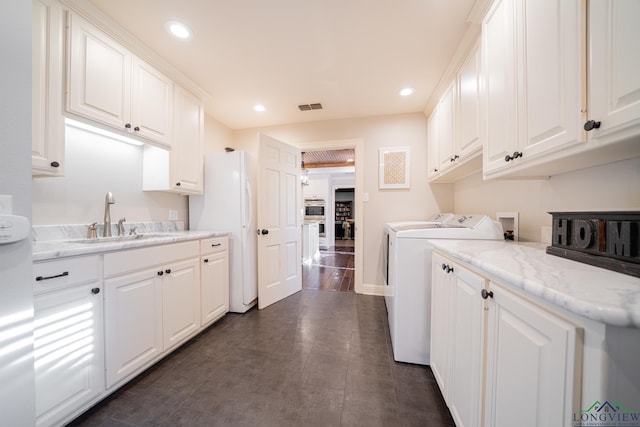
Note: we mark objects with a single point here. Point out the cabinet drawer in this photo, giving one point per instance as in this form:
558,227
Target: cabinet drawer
136,259
213,245
49,275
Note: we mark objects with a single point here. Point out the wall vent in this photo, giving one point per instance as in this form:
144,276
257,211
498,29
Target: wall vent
309,107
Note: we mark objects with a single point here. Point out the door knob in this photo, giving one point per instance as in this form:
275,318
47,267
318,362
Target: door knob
591,124
486,294
264,231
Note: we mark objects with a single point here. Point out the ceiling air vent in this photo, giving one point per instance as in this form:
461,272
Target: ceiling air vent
309,107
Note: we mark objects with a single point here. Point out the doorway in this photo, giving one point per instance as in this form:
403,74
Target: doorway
339,264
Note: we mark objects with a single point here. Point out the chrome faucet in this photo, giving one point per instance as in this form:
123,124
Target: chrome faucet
108,200
121,226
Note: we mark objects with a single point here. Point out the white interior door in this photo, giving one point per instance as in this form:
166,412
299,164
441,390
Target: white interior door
279,221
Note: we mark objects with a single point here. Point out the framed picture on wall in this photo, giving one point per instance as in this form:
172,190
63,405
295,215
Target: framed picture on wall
394,163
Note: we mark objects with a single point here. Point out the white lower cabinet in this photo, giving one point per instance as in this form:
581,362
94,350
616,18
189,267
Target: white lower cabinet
214,279
499,358
102,319
531,355
180,302
150,310
68,338
133,322
457,330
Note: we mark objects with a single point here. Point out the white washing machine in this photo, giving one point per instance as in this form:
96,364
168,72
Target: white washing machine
408,277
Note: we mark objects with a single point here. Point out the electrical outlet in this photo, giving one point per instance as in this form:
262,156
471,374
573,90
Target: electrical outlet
5,204
173,215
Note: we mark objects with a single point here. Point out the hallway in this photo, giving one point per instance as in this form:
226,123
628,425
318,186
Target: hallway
312,359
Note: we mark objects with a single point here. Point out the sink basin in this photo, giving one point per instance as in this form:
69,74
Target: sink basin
121,238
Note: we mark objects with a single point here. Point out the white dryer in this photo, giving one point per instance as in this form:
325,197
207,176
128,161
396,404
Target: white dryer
408,277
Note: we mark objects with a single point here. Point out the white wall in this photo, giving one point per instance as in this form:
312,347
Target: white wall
383,205
216,135
17,390
614,186
95,165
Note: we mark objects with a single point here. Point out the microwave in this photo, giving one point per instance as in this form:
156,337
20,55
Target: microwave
314,209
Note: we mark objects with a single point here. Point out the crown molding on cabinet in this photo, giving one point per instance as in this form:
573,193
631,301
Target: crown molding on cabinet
105,23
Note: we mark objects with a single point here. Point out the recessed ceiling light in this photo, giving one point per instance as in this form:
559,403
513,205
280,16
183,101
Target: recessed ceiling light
259,108
179,30
406,91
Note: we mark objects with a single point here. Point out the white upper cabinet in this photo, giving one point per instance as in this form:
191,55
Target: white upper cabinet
614,81
455,142
500,84
47,141
433,145
151,103
446,123
109,85
186,157
179,170
534,79
553,79
547,110
468,139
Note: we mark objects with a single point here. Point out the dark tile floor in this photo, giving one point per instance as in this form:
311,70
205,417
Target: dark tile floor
314,359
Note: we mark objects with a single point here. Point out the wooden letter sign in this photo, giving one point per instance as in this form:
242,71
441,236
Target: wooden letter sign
605,239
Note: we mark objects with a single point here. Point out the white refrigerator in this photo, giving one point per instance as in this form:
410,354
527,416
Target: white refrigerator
227,204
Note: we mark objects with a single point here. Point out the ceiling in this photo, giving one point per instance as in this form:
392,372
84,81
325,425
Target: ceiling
352,56
329,158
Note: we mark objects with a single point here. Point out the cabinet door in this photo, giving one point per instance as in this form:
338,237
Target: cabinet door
614,73
133,323
152,103
186,152
99,76
446,110
47,139
215,287
433,161
440,323
68,351
468,140
531,356
554,74
180,302
500,85
466,359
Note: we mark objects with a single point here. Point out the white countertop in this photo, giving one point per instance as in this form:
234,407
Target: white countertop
68,243
592,292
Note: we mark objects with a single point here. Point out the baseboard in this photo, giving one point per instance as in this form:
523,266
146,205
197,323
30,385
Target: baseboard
370,289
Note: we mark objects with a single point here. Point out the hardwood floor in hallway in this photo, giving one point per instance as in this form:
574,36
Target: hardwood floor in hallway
331,271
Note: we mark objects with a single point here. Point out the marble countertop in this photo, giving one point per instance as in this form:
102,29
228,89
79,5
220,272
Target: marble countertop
592,292
51,242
